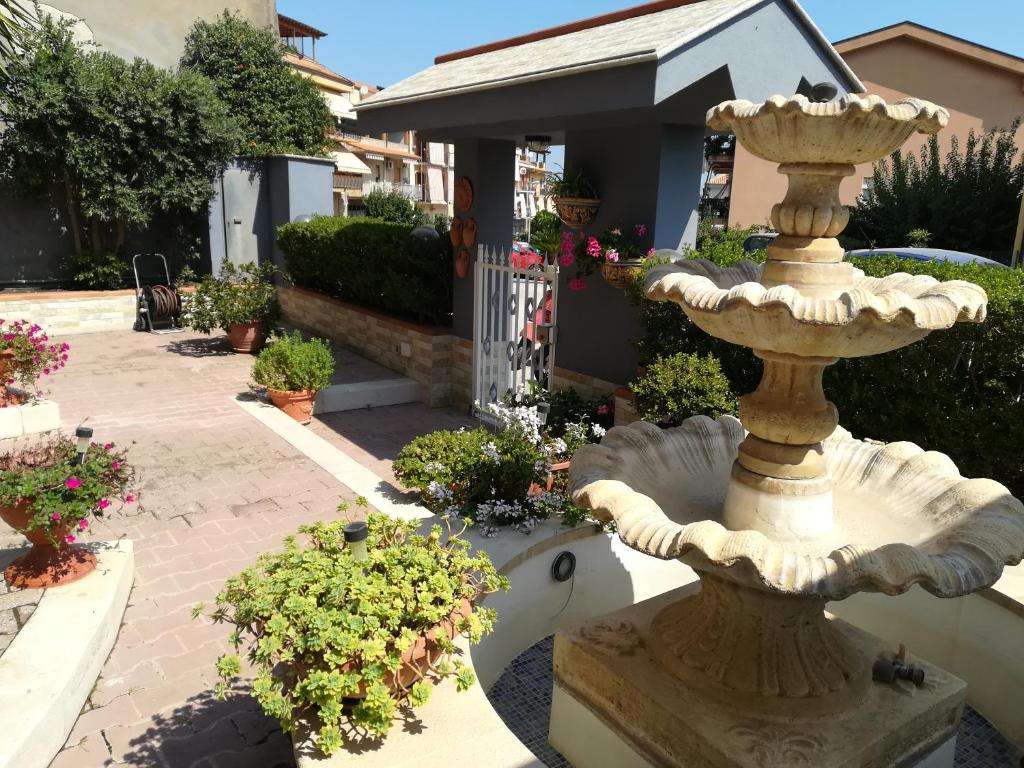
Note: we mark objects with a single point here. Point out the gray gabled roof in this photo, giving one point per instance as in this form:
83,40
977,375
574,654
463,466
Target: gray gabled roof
645,36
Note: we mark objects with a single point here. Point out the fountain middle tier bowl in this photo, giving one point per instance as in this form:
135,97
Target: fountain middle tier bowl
875,315
902,516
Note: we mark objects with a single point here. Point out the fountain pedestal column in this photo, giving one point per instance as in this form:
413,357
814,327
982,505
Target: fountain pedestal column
618,699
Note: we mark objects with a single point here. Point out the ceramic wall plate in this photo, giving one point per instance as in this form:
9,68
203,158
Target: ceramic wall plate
463,194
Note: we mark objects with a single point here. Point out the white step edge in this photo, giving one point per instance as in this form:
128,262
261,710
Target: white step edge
366,394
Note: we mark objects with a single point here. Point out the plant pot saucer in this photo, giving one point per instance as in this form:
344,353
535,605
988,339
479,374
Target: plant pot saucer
46,566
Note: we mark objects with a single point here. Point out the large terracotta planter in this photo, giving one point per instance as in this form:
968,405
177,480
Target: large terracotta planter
6,364
298,404
46,564
247,338
620,274
576,212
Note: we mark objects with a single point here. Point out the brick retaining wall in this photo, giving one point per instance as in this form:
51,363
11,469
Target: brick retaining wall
63,313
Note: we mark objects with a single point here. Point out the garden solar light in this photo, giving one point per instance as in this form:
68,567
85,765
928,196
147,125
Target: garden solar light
84,435
543,409
355,537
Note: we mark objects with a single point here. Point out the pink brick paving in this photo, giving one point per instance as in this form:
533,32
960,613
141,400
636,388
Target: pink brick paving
217,488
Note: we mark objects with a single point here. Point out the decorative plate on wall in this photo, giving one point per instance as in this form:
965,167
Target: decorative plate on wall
463,194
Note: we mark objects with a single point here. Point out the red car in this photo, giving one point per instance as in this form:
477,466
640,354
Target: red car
525,257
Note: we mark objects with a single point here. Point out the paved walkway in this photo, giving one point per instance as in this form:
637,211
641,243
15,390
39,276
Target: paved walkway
217,488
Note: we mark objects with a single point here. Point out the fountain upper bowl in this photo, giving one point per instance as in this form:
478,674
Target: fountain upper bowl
852,130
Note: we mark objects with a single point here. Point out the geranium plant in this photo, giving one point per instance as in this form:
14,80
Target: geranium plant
238,296
333,638
614,246
60,492
26,354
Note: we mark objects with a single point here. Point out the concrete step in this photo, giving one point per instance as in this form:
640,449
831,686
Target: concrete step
366,394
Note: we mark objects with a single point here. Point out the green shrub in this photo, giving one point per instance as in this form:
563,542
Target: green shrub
373,263
241,295
435,463
393,206
291,364
320,626
683,385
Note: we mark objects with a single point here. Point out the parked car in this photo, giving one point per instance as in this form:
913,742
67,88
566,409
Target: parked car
758,241
525,257
928,254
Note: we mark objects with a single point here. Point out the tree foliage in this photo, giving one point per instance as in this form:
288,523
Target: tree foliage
277,110
391,205
967,201
125,140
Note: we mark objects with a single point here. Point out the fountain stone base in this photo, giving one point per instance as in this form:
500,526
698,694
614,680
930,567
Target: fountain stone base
616,668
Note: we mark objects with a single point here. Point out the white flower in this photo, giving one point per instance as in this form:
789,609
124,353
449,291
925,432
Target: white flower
490,452
438,491
558,446
598,431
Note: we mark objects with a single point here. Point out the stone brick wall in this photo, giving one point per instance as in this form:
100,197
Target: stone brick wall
423,353
63,313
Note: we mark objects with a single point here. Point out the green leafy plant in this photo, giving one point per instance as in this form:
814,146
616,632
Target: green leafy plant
291,364
124,142
28,353
15,19
372,263
678,387
60,494
240,295
391,205
919,238
332,638
967,200
570,185
104,271
545,232
278,111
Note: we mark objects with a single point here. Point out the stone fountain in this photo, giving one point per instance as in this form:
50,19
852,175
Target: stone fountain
781,511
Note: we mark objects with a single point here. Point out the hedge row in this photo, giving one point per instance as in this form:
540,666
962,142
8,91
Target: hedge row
373,263
958,391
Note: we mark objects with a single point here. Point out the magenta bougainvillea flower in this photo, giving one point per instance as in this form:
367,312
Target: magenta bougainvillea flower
108,446
72,483
578,284
70,539
129,498
83,524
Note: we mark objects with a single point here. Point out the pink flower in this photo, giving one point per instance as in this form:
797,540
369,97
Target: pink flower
116,465
593,247
46,371
640,229
612,256
566,259
108,446
72,483
69,539
83,524
55,516
129,498
578,284
650,253
602,410
103,504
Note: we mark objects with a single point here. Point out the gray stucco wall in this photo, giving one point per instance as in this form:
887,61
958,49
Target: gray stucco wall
299,186
155,29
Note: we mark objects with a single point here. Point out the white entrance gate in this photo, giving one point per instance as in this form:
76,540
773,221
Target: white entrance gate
514,320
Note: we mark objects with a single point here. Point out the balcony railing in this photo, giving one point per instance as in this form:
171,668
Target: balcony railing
411,191
347,181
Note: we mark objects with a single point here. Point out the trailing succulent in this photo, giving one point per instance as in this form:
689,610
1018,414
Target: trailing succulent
326,632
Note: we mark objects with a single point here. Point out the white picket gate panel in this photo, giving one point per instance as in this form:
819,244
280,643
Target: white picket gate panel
514,320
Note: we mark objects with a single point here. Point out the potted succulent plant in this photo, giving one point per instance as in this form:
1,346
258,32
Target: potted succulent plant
293,371
49,490
362,619
26,353
575,198
242,301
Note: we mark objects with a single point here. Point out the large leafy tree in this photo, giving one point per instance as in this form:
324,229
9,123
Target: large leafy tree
278,110
967,201
124,140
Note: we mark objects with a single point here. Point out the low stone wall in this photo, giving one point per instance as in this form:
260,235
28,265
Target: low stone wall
423,353
62,313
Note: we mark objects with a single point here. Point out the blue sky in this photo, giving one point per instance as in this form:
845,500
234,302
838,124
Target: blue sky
382,42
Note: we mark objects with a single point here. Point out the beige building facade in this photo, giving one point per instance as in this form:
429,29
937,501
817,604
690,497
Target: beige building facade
982,89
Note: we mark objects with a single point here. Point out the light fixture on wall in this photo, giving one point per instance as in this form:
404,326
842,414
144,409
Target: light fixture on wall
539,144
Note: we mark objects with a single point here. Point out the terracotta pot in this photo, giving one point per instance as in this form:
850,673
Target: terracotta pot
621,274
455,233
297,404
463,194
46,564
576,212
247,338
6,364
462,264
469,233
562,466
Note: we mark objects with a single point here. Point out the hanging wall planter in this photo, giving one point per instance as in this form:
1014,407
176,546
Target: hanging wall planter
455,233
462,261
469,233
621,274
577,212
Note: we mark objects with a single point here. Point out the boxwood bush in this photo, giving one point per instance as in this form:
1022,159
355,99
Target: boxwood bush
958,391
373,263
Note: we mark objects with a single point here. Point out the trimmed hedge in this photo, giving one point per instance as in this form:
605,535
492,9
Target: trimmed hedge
958,391
373,263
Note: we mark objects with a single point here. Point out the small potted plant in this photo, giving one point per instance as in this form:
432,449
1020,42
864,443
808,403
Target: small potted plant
293,371
362,619
26,354
49,490
242,301
618,253
575,198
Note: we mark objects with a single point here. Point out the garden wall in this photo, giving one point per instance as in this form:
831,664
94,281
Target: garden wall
67,312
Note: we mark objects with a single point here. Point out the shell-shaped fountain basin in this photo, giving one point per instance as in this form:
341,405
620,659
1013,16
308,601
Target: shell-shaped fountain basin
902,516
852,130
876,315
